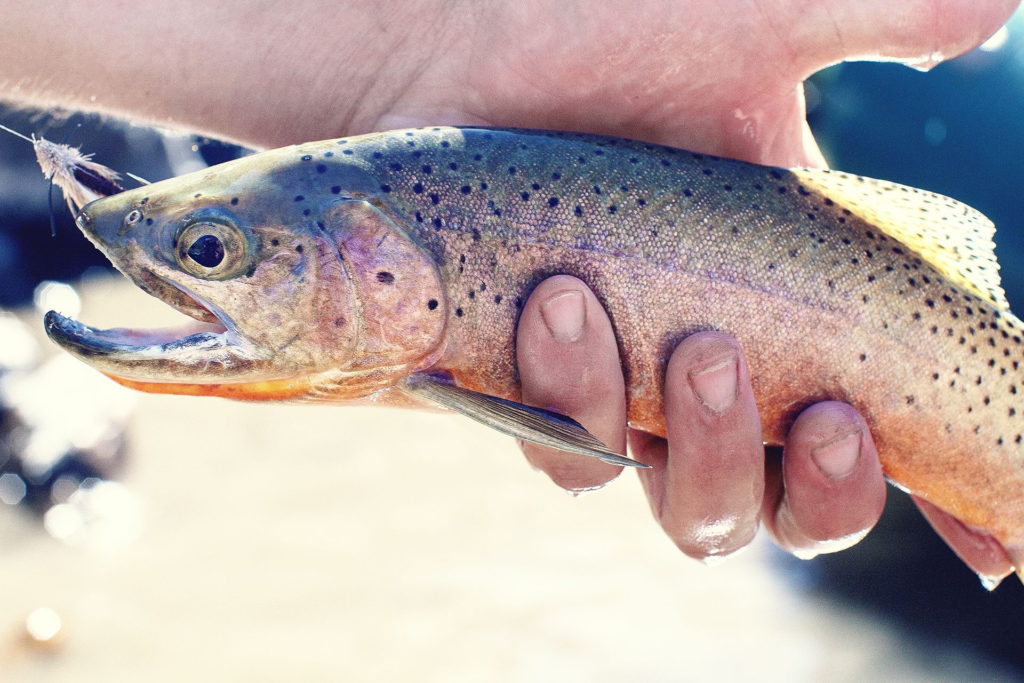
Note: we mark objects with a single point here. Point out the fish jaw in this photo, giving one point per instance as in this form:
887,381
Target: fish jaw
153,355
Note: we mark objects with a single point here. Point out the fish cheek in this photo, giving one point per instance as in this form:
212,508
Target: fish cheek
396,283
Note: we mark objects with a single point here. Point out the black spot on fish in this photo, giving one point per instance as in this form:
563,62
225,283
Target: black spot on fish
395,166
328,154
578,210
385,188
556,176
299,248
471,294
306,212
525,196
336,189
418,188
553,202
432,304
497,298
299,198
274,242
427,169
385,277
458,312
437,223
687,192
234,201
445,143
321,168
435,199
149,221
307,157
476,235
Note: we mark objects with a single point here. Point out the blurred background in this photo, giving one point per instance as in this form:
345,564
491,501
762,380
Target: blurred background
162,537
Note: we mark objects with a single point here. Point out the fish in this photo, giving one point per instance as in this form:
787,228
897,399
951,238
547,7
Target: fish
391,268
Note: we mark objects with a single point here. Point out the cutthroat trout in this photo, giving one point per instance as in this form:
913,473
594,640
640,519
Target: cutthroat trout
391,268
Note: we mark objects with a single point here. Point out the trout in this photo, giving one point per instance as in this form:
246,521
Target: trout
391,268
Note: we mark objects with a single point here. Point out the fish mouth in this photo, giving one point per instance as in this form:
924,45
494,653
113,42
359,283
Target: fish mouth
206,350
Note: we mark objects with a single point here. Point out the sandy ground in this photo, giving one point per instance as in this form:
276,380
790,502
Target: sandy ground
325,543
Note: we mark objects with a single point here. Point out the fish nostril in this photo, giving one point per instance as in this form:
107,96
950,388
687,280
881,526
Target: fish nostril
83,220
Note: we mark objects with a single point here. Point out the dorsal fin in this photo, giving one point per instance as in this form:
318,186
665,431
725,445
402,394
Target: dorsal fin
954,238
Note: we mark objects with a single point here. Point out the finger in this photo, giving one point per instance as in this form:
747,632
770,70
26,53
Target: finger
707,482
919,33
569,363
832,490
979,551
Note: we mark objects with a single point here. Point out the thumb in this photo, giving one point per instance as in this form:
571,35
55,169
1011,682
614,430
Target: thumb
921,33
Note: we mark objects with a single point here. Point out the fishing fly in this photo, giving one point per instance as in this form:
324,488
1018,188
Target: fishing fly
79,178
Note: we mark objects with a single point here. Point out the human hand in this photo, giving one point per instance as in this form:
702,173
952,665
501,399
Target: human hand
720,78
711,486
710,483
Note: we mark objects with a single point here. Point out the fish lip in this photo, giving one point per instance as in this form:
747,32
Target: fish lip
89,342
166,355
178,297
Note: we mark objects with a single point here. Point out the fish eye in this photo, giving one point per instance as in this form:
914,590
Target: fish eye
133,217
212,250
207,251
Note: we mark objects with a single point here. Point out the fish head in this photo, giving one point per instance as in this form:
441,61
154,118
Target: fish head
300,281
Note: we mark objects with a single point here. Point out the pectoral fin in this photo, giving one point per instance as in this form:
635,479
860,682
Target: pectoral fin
540,426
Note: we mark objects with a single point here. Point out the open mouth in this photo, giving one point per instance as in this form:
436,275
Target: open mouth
205,346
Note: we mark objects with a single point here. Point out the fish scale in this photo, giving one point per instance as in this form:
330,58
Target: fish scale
838,287
826,305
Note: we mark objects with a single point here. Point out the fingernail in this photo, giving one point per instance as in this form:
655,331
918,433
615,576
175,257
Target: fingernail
565,314
715,385
838,458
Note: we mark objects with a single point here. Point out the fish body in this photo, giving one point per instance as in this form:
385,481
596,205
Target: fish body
333,271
